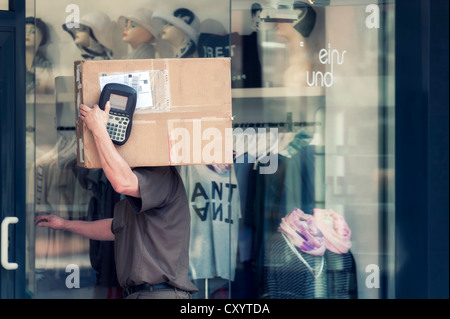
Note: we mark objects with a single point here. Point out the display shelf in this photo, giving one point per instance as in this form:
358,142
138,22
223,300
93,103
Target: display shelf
277,92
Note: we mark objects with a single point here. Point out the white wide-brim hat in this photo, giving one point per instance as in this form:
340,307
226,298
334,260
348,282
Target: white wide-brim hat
190,29
100,25
141,16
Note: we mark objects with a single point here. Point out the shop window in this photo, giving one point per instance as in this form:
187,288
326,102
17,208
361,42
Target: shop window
306,209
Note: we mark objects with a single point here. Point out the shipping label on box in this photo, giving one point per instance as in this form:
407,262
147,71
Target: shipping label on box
183,115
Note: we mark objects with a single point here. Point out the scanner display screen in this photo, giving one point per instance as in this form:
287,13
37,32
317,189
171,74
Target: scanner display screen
118,101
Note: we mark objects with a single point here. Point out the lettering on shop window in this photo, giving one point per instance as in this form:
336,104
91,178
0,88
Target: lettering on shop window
73,19
213,207
327,56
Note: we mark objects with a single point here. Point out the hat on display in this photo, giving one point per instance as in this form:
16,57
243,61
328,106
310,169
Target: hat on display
212,26
184,19
306,18
300,13
99,24
143,17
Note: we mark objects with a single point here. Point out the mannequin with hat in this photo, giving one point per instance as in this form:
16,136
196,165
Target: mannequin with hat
92,37
139,33
180,30
39,73
300,44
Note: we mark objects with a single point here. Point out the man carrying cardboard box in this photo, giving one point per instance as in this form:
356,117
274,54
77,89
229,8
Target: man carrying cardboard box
151,225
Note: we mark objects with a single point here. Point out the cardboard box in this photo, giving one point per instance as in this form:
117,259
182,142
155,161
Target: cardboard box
189,119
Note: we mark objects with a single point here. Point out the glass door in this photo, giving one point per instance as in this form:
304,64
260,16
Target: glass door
61,264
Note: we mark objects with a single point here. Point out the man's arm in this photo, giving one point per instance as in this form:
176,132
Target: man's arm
96,230
116,169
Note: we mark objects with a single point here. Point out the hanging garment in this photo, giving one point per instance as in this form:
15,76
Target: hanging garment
341,271
341,276
276,195
246,69
214,203
246,176
290,275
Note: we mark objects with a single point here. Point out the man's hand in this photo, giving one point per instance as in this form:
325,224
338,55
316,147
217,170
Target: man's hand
95,118
116,169
50,221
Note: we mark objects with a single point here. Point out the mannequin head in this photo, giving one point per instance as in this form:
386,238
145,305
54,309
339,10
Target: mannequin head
32,36
173,35
92,37
35,33
286,30
256,16
179,29
137,28
83,36
135,34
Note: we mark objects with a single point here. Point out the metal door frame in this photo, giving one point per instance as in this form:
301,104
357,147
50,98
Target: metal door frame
12,144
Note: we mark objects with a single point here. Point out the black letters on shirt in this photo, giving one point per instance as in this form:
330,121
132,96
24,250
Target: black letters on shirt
198,191
215,206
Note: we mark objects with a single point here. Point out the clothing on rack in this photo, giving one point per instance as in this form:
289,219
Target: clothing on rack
246,71
214,203
245,176
341,275
292,185
288,276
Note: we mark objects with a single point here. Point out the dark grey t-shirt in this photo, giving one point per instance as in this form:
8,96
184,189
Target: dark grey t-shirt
152,232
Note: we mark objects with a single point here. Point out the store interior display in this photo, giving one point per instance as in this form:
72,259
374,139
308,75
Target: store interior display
281,234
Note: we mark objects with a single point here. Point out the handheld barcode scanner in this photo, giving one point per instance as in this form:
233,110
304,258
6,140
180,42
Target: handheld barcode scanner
123,100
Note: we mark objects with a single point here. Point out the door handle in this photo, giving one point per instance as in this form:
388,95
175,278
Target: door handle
4,243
